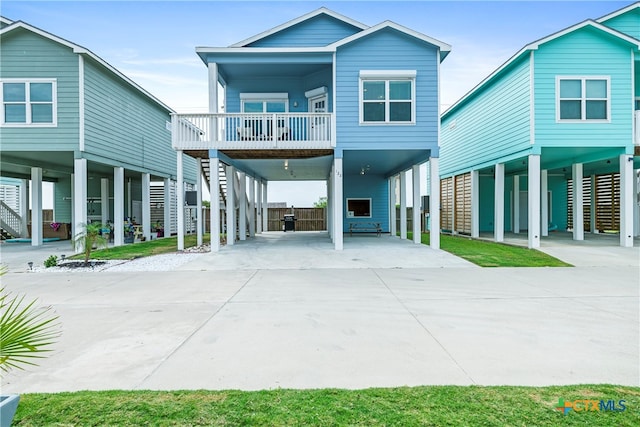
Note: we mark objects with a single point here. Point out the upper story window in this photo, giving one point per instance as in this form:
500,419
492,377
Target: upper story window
387,97
29,102
583,99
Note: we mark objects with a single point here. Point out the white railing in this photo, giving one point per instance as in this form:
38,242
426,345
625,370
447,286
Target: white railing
10,220
252,131
636,131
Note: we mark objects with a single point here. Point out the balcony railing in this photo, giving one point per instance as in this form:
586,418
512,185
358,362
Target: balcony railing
252,131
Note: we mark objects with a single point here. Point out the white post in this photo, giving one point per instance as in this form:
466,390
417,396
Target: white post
36,206
578,212
265,208
475,203
403,205
180,199
544,202
242,200
533,204
24,207
118,206
594,206
79,195
214,185
434,203
627,200
231,206
416,178
636,205
338,214
252,207
104,200
166,217
146,206
330,205
259,207
498,209
393,226
199,215
515,220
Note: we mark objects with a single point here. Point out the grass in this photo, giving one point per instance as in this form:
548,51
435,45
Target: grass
152,247
415,406
491,254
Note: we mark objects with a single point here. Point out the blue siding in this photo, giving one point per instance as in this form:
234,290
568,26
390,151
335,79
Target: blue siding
371,186
320,30
493,123
628,23
582,53
387,50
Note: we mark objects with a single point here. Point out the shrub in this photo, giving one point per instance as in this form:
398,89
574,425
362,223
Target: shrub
52,261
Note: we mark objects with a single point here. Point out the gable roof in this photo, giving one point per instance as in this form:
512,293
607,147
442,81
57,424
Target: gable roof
534,46
82,51
619,12
289,24
5,20
444,47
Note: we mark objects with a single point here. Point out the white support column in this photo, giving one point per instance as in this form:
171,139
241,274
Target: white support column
434,203
416,179
593,205
231,206
578,212
214,185
498,208
265,208
636,205
252,207
167,207
24,207
393,186
330,205
627,200
259,207
533,202
515,220
118,206
79,195
544,203
403,205
36,206
180,199
242,200
475,203
338,211
199,213
146,206
104,200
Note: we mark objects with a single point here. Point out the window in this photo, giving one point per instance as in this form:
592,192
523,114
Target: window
387,97
358,208
28,102
583,99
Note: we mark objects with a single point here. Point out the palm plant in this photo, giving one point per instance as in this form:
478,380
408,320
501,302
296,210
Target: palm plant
26,330
89,238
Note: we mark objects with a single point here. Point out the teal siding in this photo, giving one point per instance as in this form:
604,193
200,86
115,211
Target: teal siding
321,30
27,55
372,186
495,122
62,200
582,53
628,23
387,50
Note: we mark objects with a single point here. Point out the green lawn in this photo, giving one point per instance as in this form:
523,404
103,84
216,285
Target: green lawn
136,250
416,406
491,254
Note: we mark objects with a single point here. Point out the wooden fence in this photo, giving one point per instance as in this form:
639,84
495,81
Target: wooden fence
307,219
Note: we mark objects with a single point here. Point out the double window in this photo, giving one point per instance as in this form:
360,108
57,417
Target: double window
28,102
581,99
387,97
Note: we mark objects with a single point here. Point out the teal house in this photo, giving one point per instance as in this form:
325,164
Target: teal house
550,140
69,118
320,97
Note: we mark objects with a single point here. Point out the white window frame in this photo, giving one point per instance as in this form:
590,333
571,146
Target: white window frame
387,76
264,98
350,215
583,99
28,103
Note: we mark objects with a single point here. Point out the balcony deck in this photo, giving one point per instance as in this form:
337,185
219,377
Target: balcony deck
239,131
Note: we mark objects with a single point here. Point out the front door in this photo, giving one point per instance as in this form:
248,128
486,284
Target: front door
318,125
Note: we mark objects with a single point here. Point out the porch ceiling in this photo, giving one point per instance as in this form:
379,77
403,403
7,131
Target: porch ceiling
263,70
382,162
297,169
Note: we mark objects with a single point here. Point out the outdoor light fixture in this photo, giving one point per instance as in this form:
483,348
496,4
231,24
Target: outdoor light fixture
286,164
364,169
30,265
62,257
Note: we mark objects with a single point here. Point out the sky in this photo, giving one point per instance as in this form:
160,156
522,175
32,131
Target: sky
153,42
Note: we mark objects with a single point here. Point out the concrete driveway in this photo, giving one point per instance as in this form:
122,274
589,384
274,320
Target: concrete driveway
312,326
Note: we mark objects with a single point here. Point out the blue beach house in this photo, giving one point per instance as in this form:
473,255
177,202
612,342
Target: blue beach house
321,97
550,140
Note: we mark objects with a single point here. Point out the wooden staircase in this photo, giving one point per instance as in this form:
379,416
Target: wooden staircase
206,170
